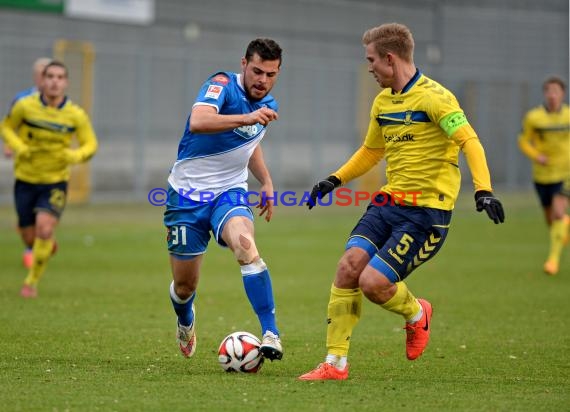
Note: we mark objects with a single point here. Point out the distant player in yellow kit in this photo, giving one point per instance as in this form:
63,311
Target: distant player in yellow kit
545,139
37,70
39,129
419,128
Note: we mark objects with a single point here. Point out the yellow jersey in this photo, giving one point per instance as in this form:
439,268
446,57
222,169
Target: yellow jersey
417,130
47,131
547,133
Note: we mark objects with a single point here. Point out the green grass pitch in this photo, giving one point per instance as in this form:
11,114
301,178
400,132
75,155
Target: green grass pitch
101,335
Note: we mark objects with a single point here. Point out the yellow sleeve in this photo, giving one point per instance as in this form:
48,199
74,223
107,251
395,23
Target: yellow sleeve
474,153
10,124
526,140
360,162
87,140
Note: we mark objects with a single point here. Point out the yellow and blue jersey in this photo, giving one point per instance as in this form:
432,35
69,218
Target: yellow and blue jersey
417,131
47,131
547,133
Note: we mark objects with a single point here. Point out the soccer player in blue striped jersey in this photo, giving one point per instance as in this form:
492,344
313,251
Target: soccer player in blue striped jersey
39,129
419,128
208,184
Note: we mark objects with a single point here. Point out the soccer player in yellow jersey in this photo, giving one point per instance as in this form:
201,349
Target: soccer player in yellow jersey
39,129
418,127
37,70
545,139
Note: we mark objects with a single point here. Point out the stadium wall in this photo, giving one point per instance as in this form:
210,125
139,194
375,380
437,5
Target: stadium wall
493,55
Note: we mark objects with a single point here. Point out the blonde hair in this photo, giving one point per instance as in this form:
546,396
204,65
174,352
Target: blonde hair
40,64
391,38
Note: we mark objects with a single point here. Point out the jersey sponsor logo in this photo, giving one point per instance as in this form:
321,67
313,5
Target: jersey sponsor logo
213,91
249,132
394,138
221,78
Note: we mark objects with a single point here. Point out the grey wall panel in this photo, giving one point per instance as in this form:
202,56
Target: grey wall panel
494,55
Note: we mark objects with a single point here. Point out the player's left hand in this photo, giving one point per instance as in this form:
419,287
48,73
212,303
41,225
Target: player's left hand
494,208
266,202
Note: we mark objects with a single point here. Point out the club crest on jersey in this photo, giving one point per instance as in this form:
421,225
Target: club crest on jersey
213,91
249,132
408,118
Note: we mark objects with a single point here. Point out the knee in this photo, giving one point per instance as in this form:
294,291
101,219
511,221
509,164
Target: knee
44,232
244,249
376,287
183,289
557,214
349,269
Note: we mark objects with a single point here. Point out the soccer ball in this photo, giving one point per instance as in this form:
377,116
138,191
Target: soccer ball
239,352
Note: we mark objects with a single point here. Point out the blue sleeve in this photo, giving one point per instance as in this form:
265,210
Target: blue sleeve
215,91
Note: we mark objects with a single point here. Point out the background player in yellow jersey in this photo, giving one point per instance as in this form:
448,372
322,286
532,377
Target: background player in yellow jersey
418,127
37,72
39,129
545,139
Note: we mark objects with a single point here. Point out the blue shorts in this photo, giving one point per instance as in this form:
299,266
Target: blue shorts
547,191
189,223
398,238
31,198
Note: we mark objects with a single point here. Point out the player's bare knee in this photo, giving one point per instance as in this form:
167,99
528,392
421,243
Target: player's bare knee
348,270
44,232
376,287
368,286
183,290
245,250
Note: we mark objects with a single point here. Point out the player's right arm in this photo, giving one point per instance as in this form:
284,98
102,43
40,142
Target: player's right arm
216,93
526,142
206,119
10,125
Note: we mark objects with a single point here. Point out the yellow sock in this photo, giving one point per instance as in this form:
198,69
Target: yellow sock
403,303
42,252
557,234
343,314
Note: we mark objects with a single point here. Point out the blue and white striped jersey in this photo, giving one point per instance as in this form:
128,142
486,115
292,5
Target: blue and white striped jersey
217,162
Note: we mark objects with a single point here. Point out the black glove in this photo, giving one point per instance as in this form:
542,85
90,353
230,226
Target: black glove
494,208
321,189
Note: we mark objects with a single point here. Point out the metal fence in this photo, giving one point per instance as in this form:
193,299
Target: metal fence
492,56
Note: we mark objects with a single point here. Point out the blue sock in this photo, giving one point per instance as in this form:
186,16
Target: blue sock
257,283
182,307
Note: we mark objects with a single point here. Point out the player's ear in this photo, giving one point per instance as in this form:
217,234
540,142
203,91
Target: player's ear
243,63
